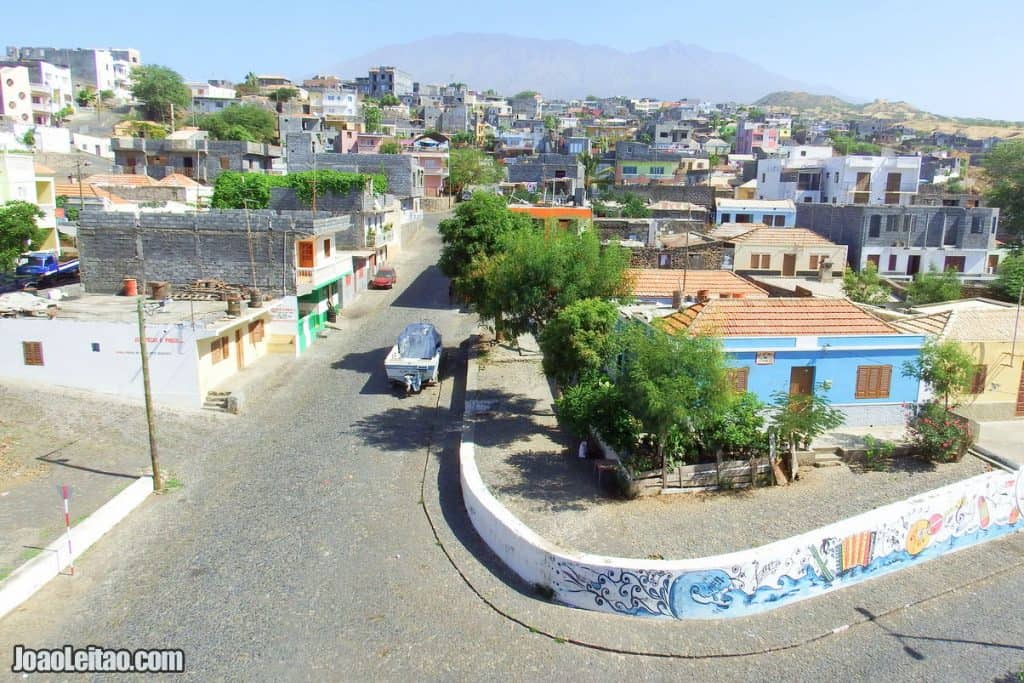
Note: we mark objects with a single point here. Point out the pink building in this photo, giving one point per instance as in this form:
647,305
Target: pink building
751,134
431,153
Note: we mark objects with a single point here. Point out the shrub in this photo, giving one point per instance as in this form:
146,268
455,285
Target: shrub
938,435
876,452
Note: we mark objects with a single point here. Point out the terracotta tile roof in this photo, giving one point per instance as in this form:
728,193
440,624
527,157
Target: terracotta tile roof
796,237
775,318
44,170
661,282
92,192
121,179
931,324
177,180
727,231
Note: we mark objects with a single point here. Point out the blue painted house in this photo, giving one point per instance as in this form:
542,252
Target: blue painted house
796,345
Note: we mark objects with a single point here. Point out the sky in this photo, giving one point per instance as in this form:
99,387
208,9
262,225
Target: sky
951,58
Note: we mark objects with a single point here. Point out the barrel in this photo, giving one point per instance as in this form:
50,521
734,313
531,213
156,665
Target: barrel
131,286
234,306
159,290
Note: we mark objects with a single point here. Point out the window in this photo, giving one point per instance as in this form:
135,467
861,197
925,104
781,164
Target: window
738,378
225,163
875,226
763,178
814,261
837,176
220,349
629,170
32,352
908,222
892,263
327,247
95,347
726,217
979,379
657,170
976,228
744,218
780,221
761,261
256,331
873,381
808,181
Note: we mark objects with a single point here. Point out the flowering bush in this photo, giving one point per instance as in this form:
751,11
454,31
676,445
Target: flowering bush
938,435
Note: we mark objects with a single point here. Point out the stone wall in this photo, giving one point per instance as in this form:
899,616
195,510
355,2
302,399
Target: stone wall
181,248
702,257
405,177
285,199
695,194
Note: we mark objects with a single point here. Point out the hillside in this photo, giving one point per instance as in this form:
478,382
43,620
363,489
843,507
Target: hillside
566,69
790,99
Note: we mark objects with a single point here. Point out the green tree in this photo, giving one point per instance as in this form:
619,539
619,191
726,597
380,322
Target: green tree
634,207
389,100
477,228
29,138
551,123
593,175
739,429
469,166
536,274
372,117
18,231
284,94
672,383
933,287
578,341
235,190
866,287
241,122
944,366
1004,168
160,89
799,418
390,147
525,95
105,96
85,97
1010,277
462,139
63,114
250,85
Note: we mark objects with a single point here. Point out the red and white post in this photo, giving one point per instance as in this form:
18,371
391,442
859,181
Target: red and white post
67,524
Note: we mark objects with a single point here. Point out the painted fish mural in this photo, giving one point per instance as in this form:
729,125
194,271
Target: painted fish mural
890,538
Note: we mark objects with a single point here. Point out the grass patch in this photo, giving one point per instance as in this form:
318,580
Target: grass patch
171,483
4,573
28,553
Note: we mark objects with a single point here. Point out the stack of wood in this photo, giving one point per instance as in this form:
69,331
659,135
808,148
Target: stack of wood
208,289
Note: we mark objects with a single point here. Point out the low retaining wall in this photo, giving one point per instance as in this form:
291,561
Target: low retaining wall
34,574
750,581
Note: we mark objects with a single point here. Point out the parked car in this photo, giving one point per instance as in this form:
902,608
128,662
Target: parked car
384,279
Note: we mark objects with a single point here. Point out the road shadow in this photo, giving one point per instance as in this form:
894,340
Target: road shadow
66,462
429,290
371,364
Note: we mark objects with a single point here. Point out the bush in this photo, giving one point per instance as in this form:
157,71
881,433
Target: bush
938,435
876,452
598,404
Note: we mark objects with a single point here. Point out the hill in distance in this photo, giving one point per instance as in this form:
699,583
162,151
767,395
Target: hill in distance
566,69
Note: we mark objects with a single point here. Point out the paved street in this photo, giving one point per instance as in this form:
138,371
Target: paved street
298,548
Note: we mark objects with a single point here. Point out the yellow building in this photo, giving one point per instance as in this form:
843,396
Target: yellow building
987,334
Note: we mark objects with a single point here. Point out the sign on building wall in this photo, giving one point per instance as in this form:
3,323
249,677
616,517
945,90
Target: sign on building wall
765,358
285,310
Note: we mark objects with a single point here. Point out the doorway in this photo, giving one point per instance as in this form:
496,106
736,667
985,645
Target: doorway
913,264
801,381
788,265
239,350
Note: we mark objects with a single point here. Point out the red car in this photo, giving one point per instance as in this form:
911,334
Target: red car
384,279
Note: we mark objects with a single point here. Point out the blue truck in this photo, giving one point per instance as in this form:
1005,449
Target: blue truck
46,265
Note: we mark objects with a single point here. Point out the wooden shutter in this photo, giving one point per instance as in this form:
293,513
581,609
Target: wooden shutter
814,262
980,379
216,355
32,352
738,378
225,347
755,261
766,261
873,381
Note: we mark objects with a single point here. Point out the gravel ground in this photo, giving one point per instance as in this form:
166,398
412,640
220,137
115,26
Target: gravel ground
539,478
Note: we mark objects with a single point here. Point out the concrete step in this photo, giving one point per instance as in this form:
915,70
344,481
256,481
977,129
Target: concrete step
217,401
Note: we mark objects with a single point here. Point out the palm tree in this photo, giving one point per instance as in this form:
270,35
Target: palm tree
592,175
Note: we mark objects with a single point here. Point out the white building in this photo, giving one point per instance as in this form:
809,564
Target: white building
91,69
780,213
334,102
15,94
811,177
200,89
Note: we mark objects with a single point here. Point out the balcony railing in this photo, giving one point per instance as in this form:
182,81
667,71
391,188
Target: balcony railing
308,279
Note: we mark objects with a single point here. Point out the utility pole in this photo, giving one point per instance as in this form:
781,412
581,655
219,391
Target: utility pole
153,457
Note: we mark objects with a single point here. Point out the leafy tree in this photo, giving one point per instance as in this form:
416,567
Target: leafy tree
18,231
713,160
535,274
578,340
1010,277
249,85
235,190
389,100
672,383
598,403
739,429
634,207
63,114
477,228
160,89
1004,168
847,145
462,139
241,122
525,95
551,123
105,96
592,174
85,97
470,167
390,147
933,286
944,366
372,117
283,94
866,287
799,418
29,138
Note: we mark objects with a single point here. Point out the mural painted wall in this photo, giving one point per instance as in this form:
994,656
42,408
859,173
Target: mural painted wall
747,582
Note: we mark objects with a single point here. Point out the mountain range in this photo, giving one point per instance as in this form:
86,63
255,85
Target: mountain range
566,69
